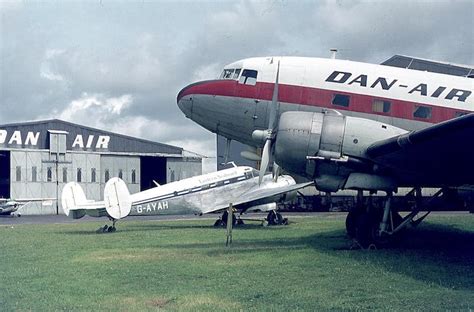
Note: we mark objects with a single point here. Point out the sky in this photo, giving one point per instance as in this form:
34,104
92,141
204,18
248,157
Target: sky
118,65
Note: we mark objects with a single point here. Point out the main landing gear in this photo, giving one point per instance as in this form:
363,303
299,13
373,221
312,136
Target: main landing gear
375,228
222,221
108,228
275,218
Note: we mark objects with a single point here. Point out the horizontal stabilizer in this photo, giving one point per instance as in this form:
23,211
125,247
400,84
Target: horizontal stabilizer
117,199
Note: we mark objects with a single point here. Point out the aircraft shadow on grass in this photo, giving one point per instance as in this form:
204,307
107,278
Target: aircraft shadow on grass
422,254
157,226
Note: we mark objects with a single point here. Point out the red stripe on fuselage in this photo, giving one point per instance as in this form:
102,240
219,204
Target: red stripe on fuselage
316,97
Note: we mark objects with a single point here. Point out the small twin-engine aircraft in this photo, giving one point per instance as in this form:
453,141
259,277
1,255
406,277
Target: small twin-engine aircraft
10,207
347,125
198,195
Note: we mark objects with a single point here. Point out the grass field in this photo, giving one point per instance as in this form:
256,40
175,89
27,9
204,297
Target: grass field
185,265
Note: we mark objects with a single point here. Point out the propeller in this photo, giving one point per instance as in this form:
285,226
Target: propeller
269,134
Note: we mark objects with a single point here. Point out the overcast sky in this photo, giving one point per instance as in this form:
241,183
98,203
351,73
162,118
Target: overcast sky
118,65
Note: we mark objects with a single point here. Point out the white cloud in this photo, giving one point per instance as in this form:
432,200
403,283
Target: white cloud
46,70
93,108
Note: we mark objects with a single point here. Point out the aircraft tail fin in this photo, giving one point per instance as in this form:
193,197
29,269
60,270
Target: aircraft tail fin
72,198
117,199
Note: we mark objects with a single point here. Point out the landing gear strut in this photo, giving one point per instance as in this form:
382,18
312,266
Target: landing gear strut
378,227
108,228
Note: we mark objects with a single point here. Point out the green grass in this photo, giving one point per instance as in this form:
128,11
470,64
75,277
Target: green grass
185,265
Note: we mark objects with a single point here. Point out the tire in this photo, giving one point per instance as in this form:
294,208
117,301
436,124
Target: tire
224,219
351,223
274,218
364,230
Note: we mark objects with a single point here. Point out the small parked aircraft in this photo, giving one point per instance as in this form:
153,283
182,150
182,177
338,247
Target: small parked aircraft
10,207
198,195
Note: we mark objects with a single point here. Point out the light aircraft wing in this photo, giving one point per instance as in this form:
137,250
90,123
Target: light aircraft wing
255,194
442,154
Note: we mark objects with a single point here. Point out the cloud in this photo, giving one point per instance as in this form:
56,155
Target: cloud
119,65
102,112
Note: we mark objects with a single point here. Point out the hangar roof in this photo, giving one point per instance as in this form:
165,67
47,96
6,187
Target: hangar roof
409,62
35,134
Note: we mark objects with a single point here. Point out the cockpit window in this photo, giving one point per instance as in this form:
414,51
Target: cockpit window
227,74
236,73
230,73
255,173
249,77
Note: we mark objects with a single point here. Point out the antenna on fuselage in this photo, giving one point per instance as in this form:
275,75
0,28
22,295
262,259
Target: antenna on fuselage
333,53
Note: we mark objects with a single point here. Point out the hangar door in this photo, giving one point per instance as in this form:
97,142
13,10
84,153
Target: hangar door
4,174
152,168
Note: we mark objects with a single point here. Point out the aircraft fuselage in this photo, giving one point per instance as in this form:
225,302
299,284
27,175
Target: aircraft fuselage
238,103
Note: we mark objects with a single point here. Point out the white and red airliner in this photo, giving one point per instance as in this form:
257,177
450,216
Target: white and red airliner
346,125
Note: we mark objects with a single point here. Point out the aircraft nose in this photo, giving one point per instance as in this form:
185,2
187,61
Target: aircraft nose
185,103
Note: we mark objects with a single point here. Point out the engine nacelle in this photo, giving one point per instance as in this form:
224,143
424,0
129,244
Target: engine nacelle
302,134
304,137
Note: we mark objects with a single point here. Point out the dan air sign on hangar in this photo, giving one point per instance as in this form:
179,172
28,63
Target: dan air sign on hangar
33,139
73,137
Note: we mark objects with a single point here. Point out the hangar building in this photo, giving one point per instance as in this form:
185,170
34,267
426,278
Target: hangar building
38,158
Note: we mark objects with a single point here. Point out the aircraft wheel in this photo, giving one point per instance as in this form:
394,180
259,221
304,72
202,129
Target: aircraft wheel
274,218
105,228
365,229
224,219
218,223
111,229
240,221
351,223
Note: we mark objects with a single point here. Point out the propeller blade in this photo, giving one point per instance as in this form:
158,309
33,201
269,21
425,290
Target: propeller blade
265,161
274,106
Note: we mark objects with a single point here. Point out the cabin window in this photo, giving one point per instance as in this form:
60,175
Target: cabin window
107,175
422,112
93,175
381,106
79,175
49,174
249,77
64,175
18,173
134,176
341,100
34,174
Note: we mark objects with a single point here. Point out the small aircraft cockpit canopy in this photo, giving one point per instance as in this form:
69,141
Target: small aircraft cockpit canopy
249,77
230,74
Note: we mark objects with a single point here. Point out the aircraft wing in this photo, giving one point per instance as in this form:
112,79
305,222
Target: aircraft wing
255,194
442,154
